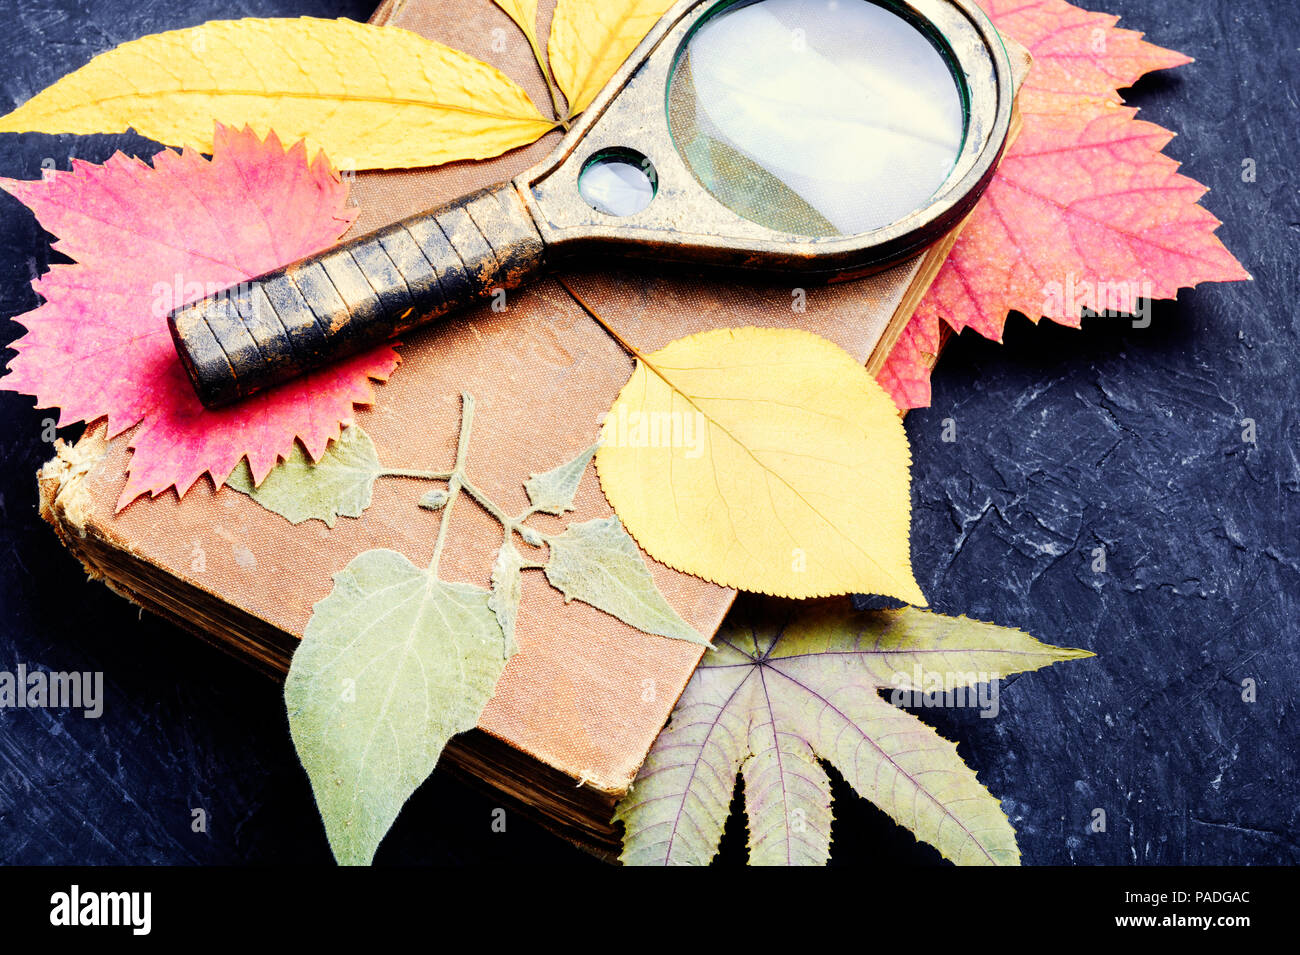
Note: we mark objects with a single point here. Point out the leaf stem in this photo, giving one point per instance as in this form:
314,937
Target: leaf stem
457,481
550,85
510,524
487,504
626,345
531,36
420,475
456,478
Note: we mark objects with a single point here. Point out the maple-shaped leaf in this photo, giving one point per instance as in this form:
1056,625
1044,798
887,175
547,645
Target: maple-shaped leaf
792,684
1084,212
146,240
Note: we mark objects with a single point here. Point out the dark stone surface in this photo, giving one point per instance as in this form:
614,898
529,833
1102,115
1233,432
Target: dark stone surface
1066,441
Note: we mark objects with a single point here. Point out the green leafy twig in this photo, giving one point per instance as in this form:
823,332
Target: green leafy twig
595,562
395,660
457,479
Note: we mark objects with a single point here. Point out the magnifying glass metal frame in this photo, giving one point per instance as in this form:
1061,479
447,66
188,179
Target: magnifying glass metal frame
378,285
685,223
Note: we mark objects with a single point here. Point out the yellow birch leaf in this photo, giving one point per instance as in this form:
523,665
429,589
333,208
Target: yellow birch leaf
370,96
590,39
763,459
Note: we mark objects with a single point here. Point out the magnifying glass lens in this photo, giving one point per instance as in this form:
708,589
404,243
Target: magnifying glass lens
817,117
618,182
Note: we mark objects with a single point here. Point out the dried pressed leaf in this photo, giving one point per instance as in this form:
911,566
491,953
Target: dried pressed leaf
338,485
373,97
393,663
598,563
553,492
763,459
507,590
793,684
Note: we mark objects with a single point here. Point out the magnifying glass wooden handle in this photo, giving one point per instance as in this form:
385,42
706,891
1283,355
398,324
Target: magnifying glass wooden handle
263,332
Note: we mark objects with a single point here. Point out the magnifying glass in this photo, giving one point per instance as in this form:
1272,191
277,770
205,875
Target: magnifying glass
819,138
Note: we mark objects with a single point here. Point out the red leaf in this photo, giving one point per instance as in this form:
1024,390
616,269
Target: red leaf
1076,52
147,239
906,372
1085,210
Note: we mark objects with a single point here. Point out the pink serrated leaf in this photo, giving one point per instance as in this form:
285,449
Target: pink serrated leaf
147,239
906,372
1084,211
1076,52
1083,197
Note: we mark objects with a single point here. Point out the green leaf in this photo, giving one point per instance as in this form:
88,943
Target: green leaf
792,684
598,563
553,492
507,590
338,485
393,663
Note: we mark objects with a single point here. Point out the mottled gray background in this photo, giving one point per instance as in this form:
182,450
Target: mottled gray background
1066,441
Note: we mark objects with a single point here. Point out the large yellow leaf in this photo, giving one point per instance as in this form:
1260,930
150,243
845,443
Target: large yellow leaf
763,459
590,39
371,96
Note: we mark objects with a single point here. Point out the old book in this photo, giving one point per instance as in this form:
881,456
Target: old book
583,699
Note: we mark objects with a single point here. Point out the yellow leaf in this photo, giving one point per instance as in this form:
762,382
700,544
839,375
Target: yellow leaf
763,459
590,39
370,96
524,13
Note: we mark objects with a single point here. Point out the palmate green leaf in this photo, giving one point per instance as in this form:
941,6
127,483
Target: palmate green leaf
340,484
553,492
598,563
393,663
793,684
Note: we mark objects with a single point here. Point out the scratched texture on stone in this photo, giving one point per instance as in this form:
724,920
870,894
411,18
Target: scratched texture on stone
1127,439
